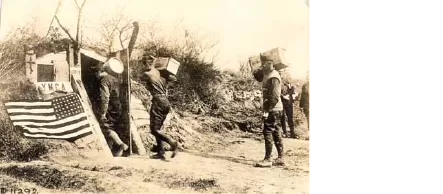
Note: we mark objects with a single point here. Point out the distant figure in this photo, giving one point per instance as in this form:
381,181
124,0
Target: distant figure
155,83
288,97
304,100
110,107
272,112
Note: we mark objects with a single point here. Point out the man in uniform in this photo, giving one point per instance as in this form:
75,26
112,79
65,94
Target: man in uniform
288,96
272,112
110,106
155,83
304,100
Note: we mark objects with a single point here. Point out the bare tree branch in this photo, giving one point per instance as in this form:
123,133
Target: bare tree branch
83,4
79,8
121,31
79,16
76,3
55,14
64,29
116,27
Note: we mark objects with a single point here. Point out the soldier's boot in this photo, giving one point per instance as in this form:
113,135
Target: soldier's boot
266,162
163,137
174,148
123,147
292,132
278,141
116,139
286,135
285,132
283,125
159,148
159,156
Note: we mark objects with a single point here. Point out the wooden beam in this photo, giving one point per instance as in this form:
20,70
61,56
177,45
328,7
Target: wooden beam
78,87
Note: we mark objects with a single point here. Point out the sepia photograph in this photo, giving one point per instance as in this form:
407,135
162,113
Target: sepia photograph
142,96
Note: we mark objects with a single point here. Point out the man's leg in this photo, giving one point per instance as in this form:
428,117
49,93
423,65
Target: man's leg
278,141
290,114
122,146
162,137
308,117
283,121
158,116
268,128
284,115
160,149
112,138
153,125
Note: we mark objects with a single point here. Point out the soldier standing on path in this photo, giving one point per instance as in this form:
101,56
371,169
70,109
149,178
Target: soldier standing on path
272,112
110,106
155,83
288,97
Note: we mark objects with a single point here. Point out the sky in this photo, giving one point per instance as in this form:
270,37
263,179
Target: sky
242,27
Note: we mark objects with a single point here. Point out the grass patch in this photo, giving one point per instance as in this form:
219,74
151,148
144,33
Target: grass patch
45,176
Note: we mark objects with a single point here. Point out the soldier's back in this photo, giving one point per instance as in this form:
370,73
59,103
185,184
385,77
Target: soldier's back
156,84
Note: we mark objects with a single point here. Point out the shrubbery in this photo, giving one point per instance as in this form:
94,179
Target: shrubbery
195,78
12,144
15,86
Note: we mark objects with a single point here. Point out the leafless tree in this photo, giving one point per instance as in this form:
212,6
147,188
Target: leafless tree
117,28
77,40
12,50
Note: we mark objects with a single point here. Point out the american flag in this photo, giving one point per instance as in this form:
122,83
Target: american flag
59,118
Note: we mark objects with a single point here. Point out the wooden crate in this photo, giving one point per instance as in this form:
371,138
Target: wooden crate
169,64
278,56
254,63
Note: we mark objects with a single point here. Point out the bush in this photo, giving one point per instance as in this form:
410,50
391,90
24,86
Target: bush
14,147
12,144
12,48
195,77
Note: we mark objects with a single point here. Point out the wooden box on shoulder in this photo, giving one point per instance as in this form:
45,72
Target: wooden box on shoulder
278,55
169,64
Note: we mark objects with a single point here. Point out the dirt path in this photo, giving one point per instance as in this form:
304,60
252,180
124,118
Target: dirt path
227,170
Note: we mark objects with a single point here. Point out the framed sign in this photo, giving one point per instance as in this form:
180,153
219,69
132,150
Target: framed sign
55,86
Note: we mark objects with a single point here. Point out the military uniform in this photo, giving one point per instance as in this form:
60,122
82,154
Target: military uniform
272,130
304,100
288,99
110,110
160,107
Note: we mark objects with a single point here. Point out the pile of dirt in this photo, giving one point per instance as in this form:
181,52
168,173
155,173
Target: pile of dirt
191,129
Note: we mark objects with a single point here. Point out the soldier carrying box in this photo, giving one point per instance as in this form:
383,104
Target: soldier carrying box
155,83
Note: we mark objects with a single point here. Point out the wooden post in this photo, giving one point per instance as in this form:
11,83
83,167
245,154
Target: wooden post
70,58
129,101
30,65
